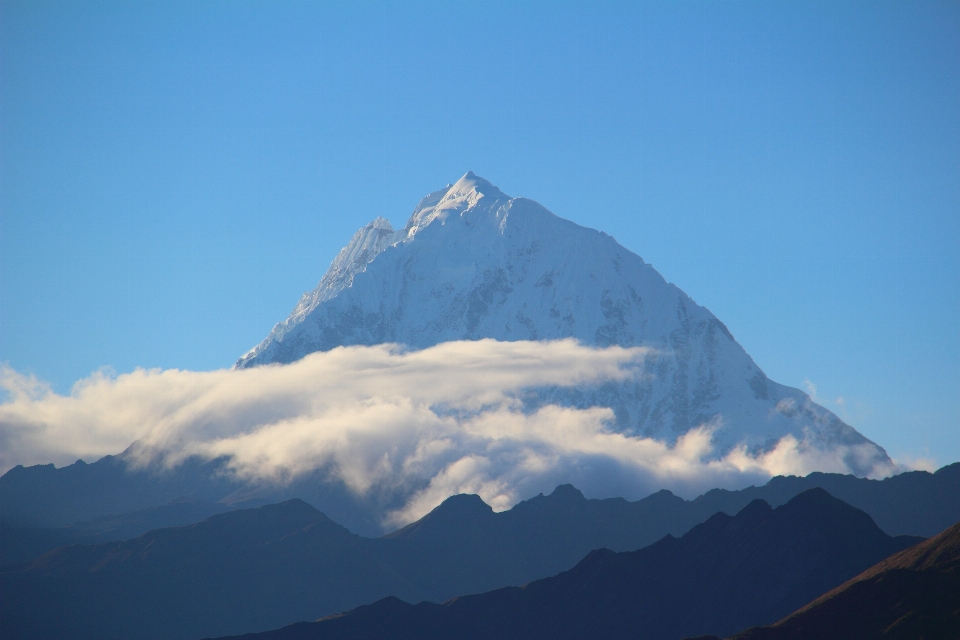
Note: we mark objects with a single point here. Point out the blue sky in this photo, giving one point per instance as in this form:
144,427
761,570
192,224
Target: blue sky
174,175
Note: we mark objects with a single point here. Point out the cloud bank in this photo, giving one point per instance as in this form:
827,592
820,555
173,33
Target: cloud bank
448,419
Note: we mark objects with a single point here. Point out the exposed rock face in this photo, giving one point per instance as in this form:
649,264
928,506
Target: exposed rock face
475,263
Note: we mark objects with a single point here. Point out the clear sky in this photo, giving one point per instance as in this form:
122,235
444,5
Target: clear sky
173,175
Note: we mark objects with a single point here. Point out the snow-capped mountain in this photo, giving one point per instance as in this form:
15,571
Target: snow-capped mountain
474,263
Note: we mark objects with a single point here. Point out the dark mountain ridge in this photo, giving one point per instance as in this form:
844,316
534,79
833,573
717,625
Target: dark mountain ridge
43,496
721,576
34,498
915,503
22,543
46,496
257,569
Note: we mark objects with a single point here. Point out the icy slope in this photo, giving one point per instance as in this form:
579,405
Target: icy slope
475,263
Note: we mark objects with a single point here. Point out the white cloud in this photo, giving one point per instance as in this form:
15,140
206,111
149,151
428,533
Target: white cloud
909,462
445,419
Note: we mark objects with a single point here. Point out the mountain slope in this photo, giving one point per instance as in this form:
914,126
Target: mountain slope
22,543
913,594
239,571
723,575
475,263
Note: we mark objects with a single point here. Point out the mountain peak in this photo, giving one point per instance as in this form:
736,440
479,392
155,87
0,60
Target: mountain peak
474,263
462,504
456,200
471,182
463,509
567,492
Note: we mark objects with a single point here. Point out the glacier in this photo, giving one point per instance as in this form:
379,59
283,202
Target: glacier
474,263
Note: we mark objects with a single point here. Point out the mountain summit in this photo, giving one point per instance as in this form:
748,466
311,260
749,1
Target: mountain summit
474,263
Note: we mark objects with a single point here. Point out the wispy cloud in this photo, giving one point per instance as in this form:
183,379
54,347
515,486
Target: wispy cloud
443,420
908,462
